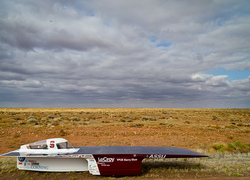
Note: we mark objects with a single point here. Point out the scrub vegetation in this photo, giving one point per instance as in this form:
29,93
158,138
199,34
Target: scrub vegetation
223,134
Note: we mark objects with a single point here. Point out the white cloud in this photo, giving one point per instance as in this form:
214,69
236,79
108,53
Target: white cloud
218,81
29,83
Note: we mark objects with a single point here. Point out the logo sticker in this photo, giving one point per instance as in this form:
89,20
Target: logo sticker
21,159
105,159
39,167
158,156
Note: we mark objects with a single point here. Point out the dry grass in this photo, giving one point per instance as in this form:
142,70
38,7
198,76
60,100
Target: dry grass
211,131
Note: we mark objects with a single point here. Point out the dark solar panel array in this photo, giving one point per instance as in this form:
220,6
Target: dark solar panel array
125,150
136,150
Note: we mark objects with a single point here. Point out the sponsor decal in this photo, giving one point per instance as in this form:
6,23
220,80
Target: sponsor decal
35,164
103,164
127,160
106,159
95,172
58,156
39,167
31,161
21,159
77,156
88,156
27,162
20,163
157,156
52,144
92,166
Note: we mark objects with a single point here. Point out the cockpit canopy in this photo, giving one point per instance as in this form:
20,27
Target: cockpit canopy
56,143
38,145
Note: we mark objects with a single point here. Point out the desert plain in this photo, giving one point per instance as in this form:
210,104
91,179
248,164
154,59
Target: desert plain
222,134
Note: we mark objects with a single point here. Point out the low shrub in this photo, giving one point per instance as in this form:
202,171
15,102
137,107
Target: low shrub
232,147
75,119
241,147
105,121
50,117
32,119
137,125
148,118
62,133
219,147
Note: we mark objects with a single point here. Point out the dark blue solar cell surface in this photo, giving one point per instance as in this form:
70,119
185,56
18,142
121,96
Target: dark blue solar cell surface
125,150
136,150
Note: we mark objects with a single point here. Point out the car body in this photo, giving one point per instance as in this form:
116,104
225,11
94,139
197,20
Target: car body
58,155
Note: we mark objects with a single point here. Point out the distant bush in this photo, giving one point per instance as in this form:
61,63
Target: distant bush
75,119
232,147
219,147
126,117
215,118
17,135
50,117
170,125
239,144
241,147
105,121
32,119
55,123
62,133
240,124
64,118
148,118
137,125
91,118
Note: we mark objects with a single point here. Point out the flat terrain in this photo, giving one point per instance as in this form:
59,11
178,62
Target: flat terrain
223,134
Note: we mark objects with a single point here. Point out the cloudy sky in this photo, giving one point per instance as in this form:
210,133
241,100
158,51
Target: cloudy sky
125,53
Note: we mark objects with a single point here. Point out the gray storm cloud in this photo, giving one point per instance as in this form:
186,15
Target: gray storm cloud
123,53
